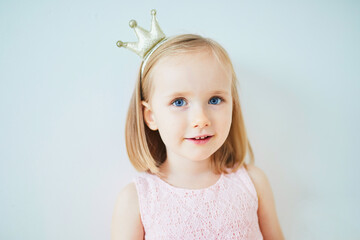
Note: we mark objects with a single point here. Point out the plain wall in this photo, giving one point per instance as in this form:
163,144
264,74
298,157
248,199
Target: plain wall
65,89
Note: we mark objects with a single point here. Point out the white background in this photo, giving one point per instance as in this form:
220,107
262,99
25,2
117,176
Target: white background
65,89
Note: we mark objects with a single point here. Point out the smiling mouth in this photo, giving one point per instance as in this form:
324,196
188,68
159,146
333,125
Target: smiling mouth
200,140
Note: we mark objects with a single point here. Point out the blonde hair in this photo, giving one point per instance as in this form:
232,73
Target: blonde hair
144,146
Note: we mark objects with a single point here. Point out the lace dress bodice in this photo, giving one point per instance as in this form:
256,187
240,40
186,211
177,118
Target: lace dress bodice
225,210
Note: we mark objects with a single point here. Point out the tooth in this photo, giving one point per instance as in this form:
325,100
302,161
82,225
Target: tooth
198,138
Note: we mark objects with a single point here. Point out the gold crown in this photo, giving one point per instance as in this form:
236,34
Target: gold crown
146,40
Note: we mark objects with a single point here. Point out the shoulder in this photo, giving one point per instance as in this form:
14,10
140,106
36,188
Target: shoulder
254,171
258,178
128,194
268,219
126,221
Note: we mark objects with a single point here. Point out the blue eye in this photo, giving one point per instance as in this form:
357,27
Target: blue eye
215,100
179,102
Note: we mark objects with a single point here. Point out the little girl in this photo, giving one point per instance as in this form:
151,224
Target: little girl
185,134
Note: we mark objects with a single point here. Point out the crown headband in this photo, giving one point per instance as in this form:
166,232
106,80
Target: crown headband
148,42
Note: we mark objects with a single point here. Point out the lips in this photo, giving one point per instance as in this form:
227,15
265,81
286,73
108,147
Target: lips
201,139
201,136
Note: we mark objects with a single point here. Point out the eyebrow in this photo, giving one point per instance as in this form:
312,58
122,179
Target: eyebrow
175,94
220,92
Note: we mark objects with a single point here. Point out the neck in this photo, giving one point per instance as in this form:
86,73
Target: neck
175,167
189,174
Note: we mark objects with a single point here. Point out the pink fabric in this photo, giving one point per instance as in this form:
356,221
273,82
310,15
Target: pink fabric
225,210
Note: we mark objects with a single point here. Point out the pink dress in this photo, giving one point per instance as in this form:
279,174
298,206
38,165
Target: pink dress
225,210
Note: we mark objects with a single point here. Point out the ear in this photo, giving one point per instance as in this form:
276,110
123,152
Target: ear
149,116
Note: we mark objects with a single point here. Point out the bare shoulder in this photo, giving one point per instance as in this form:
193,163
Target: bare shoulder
255,173
258,177
126,221
268,219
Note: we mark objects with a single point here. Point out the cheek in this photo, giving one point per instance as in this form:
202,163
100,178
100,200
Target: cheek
225,119
170,125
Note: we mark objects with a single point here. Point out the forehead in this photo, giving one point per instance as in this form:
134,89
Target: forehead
195,72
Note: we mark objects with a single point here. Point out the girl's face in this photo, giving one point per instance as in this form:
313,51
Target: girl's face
190,98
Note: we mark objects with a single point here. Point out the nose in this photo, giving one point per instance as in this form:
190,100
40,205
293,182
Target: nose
200,118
